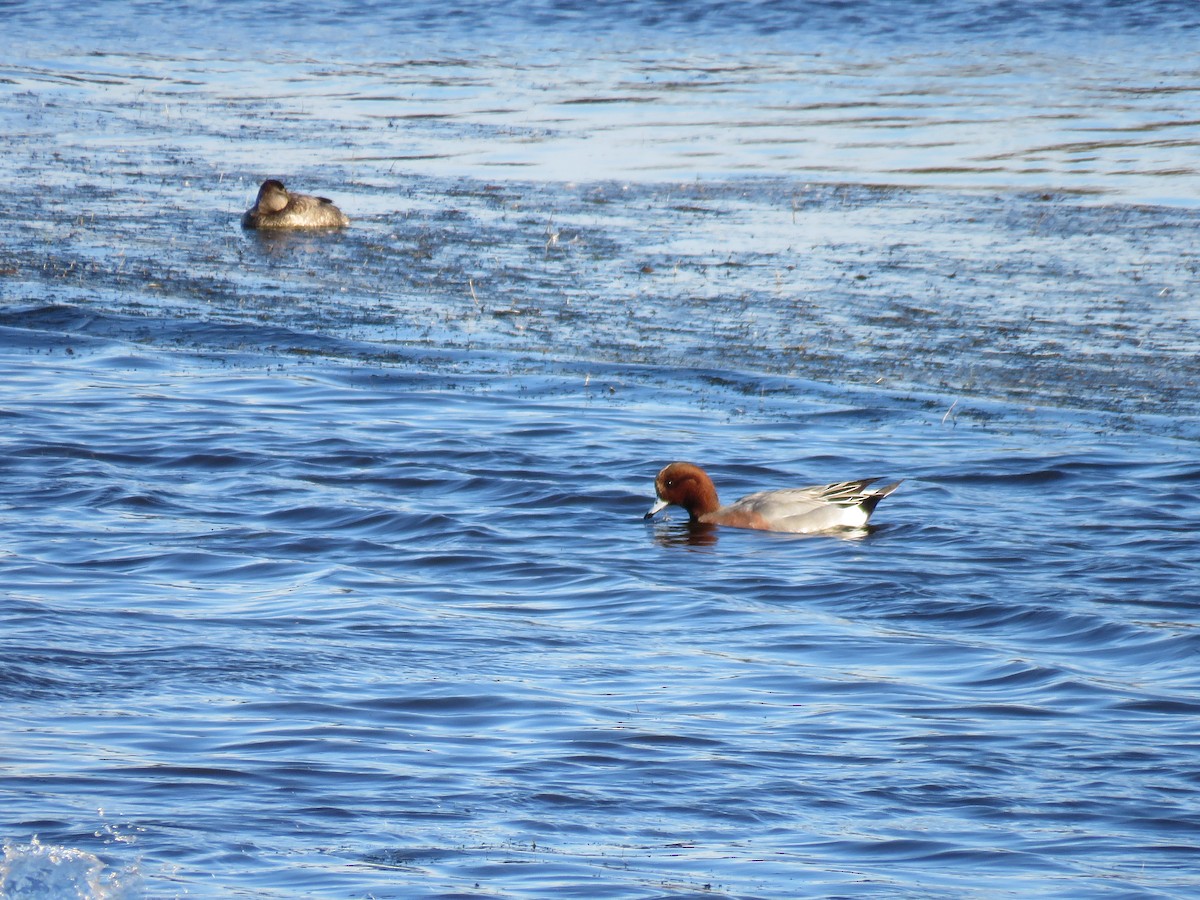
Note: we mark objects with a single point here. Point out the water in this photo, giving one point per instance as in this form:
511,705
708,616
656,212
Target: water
324,571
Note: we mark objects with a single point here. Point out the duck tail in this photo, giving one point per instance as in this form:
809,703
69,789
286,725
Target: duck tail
871,499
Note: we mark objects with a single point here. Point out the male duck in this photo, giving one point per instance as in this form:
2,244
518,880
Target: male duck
830,507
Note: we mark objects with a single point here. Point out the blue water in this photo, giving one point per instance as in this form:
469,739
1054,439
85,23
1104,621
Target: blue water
324,570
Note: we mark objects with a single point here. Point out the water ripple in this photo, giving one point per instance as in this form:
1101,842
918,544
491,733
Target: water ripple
325,569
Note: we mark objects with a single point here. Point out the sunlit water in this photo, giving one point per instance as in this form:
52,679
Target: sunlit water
324,570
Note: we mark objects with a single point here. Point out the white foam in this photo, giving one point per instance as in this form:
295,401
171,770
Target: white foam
35,870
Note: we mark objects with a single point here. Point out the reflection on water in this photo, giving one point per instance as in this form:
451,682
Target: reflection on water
698,534
1049,110
684,534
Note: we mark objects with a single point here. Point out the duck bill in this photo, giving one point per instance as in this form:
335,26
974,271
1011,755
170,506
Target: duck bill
656,509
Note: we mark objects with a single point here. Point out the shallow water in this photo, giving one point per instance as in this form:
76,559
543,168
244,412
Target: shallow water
325,571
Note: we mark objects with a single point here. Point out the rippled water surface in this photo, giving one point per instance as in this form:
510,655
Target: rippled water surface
324,570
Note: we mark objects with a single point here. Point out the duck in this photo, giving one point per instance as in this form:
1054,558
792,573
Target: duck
840,506
277,207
